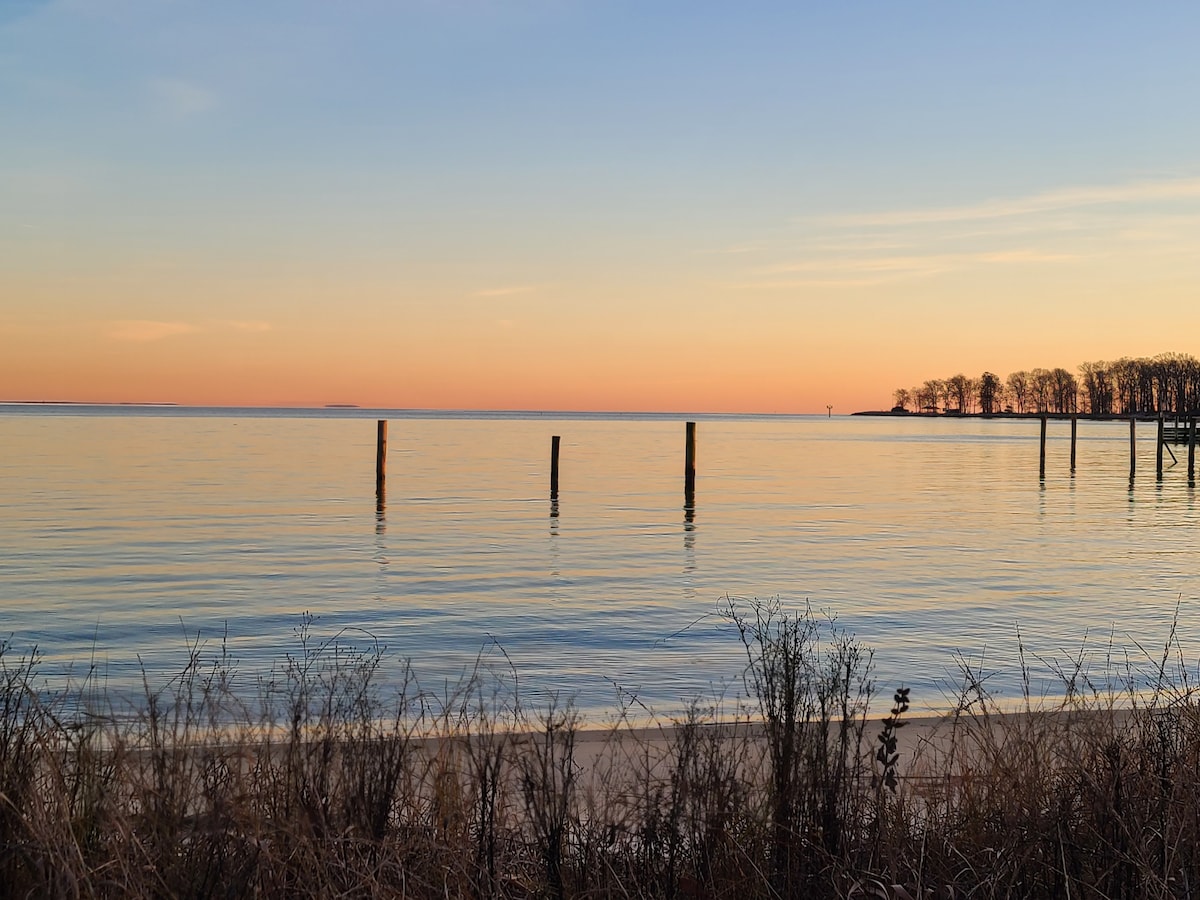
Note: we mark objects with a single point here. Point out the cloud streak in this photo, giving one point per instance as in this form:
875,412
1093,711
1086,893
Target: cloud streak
1053,227
180,100
1046,201
143,330
506,291
253,327
870,271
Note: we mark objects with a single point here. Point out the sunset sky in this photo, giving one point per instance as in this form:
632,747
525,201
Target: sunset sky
692,206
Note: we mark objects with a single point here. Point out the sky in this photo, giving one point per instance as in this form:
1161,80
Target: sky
595,205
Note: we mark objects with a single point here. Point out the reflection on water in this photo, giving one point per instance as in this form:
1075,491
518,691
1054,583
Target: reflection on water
689,549
689,527
554,551
926,538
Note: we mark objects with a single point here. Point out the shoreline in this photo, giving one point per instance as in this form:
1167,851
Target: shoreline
1035,416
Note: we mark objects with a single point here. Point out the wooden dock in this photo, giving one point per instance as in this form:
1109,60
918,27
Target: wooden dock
1178,433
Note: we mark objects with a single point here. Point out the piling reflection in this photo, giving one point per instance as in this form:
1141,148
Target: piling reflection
380,510
380,555
689,545
555,566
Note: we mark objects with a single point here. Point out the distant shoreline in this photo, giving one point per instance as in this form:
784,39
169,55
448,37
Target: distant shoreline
354,410
1090,417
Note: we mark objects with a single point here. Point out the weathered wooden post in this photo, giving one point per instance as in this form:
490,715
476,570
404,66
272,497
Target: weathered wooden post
1042,454
1074,430
554,443
1132,447
689,463
380,461
1158,463
1191,449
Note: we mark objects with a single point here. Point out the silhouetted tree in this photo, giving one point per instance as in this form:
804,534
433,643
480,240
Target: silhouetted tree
989,390
958,392
1169,383
929,395
1041,389
1064,391
1018,390
1097,387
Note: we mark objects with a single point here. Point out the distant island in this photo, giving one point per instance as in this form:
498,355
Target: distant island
342,406
1145,386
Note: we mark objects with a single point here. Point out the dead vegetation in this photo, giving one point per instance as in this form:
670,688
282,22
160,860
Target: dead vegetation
332,783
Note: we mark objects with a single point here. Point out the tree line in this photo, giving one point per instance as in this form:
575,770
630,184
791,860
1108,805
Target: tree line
1167,383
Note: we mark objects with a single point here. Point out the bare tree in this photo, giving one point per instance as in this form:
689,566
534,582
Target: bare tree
1124,375
902,399
1169,382
1064,391
1018,389
1041,389
1097,387
929,395
989,389
958,392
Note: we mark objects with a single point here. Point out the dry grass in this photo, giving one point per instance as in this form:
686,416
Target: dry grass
330,784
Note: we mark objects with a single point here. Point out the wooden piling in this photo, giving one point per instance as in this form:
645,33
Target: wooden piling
1074,431
1191,449
554,444
1159,449
1042,454
380,459
1132,446
689,461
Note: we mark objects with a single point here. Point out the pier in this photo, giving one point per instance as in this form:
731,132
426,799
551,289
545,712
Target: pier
1181,432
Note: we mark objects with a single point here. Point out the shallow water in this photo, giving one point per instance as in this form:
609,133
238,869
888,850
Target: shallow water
128,532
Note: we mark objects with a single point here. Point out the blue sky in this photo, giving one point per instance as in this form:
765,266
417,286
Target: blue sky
607,183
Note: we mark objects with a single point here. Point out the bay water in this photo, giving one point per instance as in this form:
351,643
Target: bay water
129,535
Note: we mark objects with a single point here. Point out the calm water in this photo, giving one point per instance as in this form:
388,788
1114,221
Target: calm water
124,533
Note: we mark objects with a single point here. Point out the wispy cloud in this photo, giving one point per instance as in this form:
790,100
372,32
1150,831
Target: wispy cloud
179,99
507,291
783,284
1046,201
735,249
1025,256
868,271
896,265
142,330
248,326
1060,227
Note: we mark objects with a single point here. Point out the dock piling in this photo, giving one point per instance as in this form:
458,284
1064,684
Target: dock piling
1132,447
689,462
1159,450
554,444
1074,431
1042,454
1191,427
380,461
